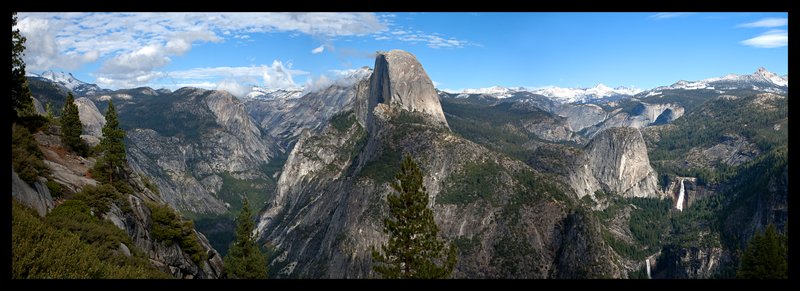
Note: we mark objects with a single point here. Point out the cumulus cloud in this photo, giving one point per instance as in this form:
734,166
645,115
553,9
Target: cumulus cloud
767,22
318,50
234,87
769,39
43,51
136,45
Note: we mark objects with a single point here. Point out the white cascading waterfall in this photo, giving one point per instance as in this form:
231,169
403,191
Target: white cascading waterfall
679,206
647,262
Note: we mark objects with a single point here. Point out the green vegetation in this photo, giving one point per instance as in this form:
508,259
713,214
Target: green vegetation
234,191
26,158
649,221
169,228
342,121
414,249
99,198
766,257
56,191
476,181
42,250
381,168
21,101
512,253
71,127
113,161
497,127
245,260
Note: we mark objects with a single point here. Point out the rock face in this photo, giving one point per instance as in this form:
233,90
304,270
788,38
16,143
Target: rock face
38,198
616,161
212,136
399,80
687,263
136,219
286,118
91,118
330,200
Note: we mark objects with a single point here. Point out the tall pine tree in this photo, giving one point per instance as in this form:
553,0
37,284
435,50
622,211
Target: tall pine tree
21,101
766,257
71,127
113,161
414,249
244,259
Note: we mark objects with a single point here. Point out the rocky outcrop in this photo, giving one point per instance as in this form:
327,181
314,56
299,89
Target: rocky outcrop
91,119
330,200
661,113
687,263
400,81
204,136
580,116
38,197
615,161
286,118
131,215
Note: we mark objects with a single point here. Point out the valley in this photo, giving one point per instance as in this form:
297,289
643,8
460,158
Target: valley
670,182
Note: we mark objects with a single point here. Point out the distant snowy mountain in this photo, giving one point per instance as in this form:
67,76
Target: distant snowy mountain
78,87
558,94
761,80
270,94
343,79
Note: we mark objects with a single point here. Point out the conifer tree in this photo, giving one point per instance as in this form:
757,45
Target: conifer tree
765,257
112,146
21,101
244,259
71,127
414,250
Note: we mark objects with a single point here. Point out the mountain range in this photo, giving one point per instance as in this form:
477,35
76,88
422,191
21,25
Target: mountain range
526,182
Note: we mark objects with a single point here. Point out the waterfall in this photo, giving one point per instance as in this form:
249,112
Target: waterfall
647,262
679,206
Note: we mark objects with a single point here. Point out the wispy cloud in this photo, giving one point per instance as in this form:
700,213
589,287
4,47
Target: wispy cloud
432,40
767,22
667,15
318,50
769,39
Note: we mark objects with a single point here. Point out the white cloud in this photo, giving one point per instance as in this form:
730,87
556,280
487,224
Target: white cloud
767,22
137,44
318,50
769,39
234,87
667,15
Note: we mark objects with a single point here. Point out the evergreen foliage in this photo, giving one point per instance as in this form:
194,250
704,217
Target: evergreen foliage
110,165
71,127
26,158
414,250
245,260
766,257
21,101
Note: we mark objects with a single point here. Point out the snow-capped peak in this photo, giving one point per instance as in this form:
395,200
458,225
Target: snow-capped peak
771,77
569,95
494,90
65,79
269,93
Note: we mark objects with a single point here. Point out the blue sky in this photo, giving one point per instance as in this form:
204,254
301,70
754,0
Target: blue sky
233,51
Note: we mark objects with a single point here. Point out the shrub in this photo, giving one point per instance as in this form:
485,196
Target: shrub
169,228
55,189
26,158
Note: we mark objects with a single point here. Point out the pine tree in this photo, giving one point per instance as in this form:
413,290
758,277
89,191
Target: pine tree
21,101
244,259
414,248
112,146
71,127
765,257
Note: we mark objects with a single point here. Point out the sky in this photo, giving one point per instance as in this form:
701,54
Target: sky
234,51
